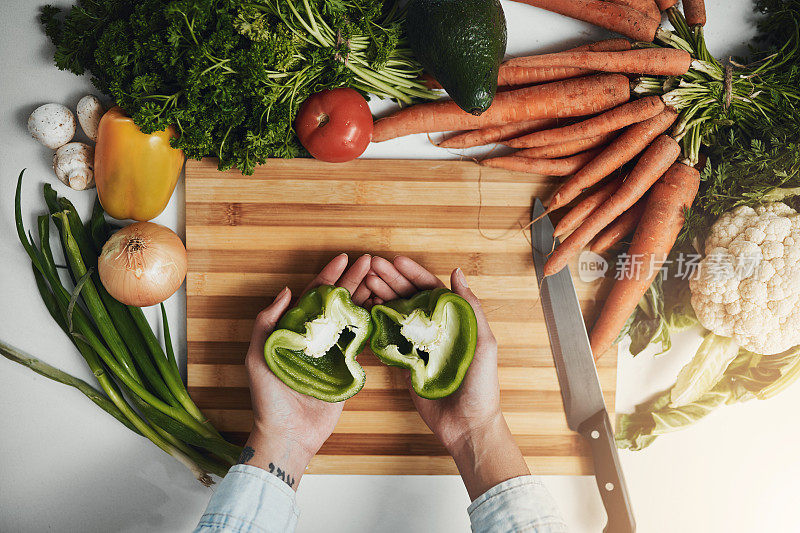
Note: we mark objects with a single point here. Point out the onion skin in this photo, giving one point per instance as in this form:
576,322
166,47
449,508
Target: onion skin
142,264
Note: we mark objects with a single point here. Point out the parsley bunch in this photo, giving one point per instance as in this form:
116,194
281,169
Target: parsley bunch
230,75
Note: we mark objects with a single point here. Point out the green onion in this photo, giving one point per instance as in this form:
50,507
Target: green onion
117,311
117,343
167,366
103,322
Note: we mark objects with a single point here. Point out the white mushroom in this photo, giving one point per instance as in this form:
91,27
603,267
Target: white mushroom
90,111
53,125
74,165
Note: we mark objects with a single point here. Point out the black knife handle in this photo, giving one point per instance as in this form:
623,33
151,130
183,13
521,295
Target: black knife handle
608,473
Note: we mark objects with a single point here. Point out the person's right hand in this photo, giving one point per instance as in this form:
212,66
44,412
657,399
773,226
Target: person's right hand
469,422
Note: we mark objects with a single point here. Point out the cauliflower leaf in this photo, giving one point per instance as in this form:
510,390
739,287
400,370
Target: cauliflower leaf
749,376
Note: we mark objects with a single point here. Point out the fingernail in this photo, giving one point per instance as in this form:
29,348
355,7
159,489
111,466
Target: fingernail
281,295
367,256
461,278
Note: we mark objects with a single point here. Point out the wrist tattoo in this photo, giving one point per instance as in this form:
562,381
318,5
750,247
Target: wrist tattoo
246,455
281,474
248,452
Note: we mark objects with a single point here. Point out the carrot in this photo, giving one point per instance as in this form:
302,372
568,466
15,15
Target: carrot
567,148
617,230
544,167
560,99
621,150
494,134
663,5
661,223
617,44
614,17
585,207
514,76
695,11
613,120
646,7
653,163
519,76
650,61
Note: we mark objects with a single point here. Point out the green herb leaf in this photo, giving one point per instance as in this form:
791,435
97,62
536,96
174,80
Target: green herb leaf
231,76
76,293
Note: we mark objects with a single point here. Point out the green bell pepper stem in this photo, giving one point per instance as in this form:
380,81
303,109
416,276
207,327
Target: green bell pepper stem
334,375
433,334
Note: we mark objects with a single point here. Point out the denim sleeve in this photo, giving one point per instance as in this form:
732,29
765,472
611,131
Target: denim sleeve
519,504
250,499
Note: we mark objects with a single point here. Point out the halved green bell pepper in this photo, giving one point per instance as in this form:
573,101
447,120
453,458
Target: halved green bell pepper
433,334
314,348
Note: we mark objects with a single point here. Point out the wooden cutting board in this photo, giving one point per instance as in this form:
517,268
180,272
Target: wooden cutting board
248,236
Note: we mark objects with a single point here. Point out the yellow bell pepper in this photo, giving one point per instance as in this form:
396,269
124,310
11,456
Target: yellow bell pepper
135,172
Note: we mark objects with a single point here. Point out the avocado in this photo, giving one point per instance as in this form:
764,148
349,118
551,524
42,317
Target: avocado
460,43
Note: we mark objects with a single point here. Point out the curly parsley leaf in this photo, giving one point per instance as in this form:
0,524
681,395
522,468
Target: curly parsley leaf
229,75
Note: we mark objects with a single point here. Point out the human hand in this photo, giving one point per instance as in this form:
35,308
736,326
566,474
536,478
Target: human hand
469,422
289,428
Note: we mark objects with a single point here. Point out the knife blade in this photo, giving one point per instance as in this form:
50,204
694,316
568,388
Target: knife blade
581,394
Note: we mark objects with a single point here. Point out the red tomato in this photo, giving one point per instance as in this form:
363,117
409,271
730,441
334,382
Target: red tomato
335,125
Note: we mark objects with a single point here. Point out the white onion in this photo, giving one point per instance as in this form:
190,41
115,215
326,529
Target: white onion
142,264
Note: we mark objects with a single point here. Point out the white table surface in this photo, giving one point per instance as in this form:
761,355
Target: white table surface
67,466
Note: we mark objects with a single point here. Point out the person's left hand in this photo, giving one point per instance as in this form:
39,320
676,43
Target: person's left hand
289,427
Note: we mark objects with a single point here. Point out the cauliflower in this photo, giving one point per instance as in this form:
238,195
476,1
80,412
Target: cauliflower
748,285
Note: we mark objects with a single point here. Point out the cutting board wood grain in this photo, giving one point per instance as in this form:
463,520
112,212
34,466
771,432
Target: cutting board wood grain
249,236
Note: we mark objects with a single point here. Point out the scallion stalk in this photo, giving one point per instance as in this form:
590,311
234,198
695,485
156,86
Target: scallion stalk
117,311
170,427
135,422
167,366
92,301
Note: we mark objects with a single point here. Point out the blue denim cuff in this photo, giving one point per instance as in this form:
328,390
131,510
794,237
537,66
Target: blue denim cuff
519,504
250,499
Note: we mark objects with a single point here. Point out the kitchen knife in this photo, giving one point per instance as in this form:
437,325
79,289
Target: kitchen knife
580,387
